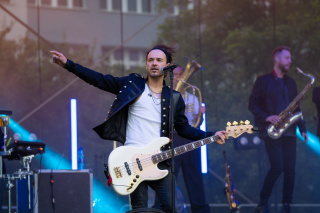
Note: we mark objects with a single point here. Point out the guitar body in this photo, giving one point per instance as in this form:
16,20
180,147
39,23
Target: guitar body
129,166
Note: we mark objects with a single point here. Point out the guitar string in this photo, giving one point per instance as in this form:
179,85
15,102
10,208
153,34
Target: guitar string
148,161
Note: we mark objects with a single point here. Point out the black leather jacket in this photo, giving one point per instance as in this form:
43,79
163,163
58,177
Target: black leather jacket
127,89
263,100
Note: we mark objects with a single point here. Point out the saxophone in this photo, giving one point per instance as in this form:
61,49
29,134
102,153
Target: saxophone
286,117
229,187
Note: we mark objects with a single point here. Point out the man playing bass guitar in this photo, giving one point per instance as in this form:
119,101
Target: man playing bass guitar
140,114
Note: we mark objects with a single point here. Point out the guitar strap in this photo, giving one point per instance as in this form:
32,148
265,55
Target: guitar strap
175,99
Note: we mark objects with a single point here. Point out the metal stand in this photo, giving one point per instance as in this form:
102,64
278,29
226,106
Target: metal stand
172,143
21,174
25,173
26,161
4,121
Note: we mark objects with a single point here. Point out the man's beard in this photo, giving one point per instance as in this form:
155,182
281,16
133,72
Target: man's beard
156,76
283,68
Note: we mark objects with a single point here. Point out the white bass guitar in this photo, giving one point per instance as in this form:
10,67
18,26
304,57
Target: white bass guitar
129,166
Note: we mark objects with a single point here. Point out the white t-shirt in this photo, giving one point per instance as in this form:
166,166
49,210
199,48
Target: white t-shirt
144,120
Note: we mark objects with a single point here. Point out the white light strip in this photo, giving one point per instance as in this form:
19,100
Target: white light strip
204,158
74,137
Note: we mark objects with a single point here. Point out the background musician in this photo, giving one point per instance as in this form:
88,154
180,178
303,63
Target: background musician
271,94
190,163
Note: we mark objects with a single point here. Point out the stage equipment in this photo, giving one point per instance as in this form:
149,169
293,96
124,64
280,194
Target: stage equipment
19,150
186,89
63,191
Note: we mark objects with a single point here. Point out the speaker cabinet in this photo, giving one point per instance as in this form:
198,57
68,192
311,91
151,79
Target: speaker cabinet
63,191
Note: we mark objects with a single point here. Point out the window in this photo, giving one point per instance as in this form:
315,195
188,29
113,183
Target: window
116,5
45,2
134,55
118,55
78,3
103,4
132,5
63,3
59,3
146,6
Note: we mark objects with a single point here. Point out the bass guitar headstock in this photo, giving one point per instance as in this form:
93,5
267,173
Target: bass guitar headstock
234,130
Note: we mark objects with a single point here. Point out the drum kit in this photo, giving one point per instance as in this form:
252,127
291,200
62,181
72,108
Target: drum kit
17,150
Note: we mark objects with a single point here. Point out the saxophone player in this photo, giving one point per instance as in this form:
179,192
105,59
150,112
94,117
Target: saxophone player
271,94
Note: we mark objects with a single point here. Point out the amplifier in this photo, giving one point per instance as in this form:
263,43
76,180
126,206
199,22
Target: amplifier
63,191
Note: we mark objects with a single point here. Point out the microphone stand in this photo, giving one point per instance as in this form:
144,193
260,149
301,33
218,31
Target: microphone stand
171,136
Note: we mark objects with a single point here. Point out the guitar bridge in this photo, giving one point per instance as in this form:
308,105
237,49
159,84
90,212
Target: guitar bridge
117,171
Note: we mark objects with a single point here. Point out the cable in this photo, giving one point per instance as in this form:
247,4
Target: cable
52,196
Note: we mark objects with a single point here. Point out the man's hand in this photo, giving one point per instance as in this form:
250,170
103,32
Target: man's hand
59,58
223,135
305,135
273,119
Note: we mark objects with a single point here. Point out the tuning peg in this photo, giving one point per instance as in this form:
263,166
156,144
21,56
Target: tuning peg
235,123
247,122
228,124
241,122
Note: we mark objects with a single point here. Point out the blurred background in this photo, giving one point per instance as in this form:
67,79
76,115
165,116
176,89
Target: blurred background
231,39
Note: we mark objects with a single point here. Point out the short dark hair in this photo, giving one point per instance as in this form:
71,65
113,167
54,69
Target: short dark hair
279,49
168,51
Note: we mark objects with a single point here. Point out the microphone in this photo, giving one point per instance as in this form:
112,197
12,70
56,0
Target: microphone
168,68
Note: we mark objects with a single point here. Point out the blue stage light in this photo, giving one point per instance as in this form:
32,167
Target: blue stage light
313,141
